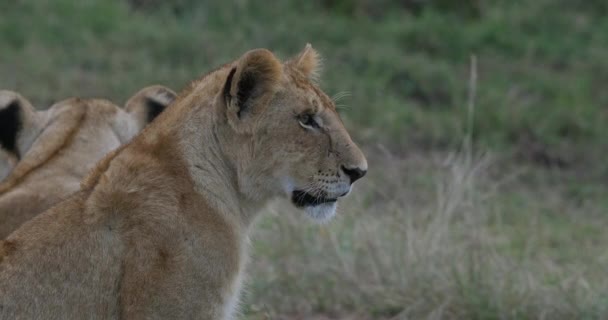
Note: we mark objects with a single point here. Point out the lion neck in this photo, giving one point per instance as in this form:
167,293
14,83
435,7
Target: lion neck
208,147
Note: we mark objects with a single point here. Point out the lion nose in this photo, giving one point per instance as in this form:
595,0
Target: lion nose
354,173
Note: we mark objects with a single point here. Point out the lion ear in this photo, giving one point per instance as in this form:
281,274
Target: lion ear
18,123
149,102
308,62
249,85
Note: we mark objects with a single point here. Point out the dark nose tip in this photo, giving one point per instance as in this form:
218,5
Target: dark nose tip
354,173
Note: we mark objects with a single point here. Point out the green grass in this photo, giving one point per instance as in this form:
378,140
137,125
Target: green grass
426,235
541,63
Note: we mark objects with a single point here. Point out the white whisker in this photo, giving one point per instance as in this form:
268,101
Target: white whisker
340,95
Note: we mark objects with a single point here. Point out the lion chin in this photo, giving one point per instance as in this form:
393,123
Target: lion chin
320,208
321,213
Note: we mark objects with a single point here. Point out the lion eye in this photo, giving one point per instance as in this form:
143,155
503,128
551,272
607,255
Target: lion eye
308,121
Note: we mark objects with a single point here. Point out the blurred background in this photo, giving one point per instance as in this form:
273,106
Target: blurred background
484,123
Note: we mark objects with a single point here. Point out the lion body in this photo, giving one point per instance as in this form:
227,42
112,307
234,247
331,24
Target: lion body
160,227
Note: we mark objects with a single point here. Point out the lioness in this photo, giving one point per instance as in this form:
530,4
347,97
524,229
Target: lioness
54,149
159,228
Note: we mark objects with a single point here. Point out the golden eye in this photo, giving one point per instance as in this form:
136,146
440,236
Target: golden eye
308,121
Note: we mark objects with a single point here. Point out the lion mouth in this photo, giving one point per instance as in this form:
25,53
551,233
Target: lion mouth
304,199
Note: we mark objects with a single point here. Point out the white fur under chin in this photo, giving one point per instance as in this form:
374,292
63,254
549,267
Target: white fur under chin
323,212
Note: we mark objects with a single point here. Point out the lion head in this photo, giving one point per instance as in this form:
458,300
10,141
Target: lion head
289,139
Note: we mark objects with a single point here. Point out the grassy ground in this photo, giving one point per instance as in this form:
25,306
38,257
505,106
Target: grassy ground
450,237
436,231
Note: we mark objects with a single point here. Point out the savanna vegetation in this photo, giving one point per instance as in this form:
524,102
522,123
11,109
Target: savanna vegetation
484,123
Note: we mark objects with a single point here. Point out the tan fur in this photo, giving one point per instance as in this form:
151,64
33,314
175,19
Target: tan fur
308,62
7,162
159,228
71,137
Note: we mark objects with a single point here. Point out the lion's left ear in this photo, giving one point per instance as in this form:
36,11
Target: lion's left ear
20,124
308,62
251,82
